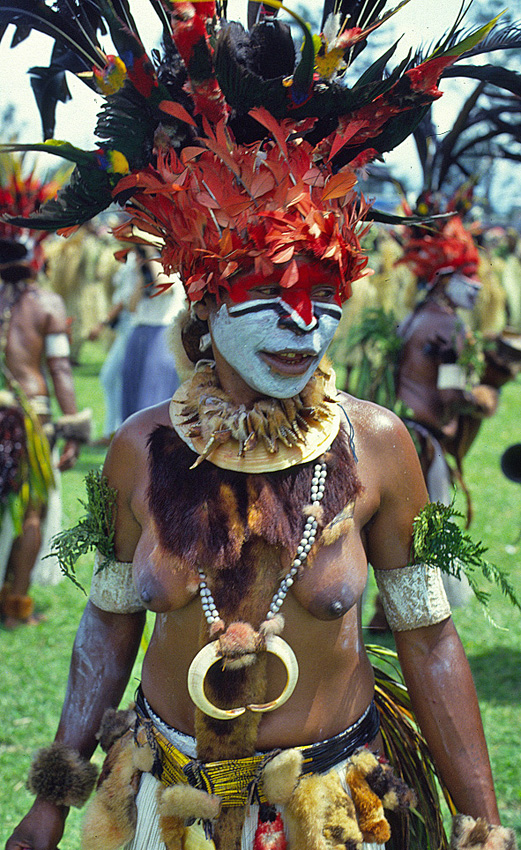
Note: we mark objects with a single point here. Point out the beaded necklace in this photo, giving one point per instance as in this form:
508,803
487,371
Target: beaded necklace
267,638
306,542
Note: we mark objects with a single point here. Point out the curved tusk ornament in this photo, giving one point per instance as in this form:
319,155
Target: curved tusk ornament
210,654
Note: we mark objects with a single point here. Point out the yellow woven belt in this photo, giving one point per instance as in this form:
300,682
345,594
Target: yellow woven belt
238,781
232,779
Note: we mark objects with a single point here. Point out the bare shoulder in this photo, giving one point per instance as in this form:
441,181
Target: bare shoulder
128,452
377,429
126,468
49,311
391,475
48,301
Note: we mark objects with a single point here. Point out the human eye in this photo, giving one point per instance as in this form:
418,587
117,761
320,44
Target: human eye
268,291
323,293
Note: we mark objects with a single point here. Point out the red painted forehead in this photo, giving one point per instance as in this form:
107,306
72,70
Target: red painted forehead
304,276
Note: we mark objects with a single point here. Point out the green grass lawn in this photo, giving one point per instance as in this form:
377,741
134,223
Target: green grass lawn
35,660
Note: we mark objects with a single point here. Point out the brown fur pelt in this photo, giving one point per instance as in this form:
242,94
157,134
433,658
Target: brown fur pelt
470,834
114,724
111,817
208,514
230,687
180,803
369,809
60,775
381,778
320,816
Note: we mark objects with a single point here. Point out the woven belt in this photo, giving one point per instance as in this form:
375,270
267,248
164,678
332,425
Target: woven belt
238,781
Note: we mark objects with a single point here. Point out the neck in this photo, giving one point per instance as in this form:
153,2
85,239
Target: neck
237,390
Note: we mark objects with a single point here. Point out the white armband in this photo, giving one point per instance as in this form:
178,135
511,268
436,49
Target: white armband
112,588
451,376
57,345
412,596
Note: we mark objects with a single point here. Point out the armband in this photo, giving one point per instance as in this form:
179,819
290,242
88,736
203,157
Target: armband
480,835
451,376
112,588
59,775
57,345
412,596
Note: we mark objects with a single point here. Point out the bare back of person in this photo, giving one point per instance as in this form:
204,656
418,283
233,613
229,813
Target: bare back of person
36,314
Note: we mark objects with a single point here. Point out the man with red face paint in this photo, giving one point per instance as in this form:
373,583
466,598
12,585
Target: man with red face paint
249,507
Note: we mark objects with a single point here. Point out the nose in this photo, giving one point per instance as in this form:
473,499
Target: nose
298,328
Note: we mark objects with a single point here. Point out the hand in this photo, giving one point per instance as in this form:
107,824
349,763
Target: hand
69,455
41,828
95,332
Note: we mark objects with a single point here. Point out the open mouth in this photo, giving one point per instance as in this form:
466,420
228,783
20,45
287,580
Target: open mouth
288,362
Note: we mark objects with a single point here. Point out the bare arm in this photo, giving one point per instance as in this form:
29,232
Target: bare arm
55,322
433,661
444,699
103,655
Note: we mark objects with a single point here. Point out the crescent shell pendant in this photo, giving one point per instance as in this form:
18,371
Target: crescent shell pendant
208,656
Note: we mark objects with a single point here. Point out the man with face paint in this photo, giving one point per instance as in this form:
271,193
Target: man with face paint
250,506
430,380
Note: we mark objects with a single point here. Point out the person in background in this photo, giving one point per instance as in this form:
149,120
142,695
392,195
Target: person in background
127,285
33,341
148,370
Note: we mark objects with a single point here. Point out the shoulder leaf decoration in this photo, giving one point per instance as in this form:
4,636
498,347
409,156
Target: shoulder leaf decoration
95,530
439,541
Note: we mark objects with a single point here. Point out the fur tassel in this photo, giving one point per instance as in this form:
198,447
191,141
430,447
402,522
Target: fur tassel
321,815
171,826
186,802
60,775
115,724
281,775
110,820
381,778
369,808
470,834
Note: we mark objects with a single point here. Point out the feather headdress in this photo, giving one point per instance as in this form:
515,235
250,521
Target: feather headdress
449,248
225,153
20,196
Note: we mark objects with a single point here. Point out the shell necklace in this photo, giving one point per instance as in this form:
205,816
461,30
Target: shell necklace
240,643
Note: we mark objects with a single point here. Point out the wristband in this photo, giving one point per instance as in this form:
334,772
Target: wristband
470,834
59,775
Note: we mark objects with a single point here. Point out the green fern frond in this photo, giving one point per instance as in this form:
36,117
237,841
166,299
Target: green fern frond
439,541
95,530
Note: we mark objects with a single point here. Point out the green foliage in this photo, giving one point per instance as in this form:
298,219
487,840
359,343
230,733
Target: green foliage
95,530
408,752
376,347
472,356
439,541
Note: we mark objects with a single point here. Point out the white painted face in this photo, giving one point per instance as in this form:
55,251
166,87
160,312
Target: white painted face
462,291
272,351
